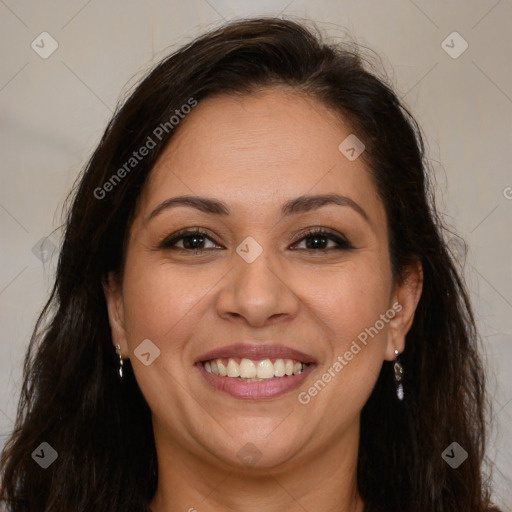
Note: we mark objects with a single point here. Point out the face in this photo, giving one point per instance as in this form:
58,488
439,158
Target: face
308,280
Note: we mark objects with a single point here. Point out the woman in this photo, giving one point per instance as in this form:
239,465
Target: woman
254,308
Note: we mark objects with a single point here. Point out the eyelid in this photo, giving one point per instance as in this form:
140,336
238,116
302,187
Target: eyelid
341,240
167,241
312,230
343,243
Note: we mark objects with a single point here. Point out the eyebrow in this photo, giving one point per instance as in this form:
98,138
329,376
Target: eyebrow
298,205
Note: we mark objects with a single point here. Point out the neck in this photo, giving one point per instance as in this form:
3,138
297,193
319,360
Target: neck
321,481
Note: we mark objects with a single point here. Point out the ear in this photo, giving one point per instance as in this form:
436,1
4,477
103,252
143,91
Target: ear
405,298
114,297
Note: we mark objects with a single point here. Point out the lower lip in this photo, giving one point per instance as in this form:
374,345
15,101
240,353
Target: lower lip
272,388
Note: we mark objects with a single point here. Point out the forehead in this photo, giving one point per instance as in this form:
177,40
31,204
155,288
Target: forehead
249,149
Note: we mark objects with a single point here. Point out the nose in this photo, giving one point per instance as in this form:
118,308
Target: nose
257,293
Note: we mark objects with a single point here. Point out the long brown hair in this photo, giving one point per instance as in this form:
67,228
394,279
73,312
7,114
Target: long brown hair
101,426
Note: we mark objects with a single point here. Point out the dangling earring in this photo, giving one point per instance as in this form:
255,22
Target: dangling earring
118,351
399,373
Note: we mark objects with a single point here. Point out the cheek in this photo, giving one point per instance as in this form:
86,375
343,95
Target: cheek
157,298
161,304
348,305
351,298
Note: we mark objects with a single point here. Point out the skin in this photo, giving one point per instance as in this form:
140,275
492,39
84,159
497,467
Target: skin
255,153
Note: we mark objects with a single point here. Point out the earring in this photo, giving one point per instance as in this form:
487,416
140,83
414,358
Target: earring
118,351
399,373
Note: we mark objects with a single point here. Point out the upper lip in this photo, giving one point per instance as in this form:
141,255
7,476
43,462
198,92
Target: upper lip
256,352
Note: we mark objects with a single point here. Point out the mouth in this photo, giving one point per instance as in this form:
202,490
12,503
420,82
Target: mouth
248,370
255,372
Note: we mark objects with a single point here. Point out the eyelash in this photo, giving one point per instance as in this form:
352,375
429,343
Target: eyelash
343,244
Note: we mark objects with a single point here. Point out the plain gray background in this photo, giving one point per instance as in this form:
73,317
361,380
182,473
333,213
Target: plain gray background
54,110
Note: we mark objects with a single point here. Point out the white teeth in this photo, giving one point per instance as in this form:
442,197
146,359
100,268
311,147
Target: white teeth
233,369
265,369
222,369
252,371
247,369
279,370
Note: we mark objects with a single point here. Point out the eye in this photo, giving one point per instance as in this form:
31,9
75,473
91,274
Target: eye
316,240
188,240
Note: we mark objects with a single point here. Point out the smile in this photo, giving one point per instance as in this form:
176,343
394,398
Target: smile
254,371
255,388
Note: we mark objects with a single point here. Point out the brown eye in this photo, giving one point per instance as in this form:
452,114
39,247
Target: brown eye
318,240
188,241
